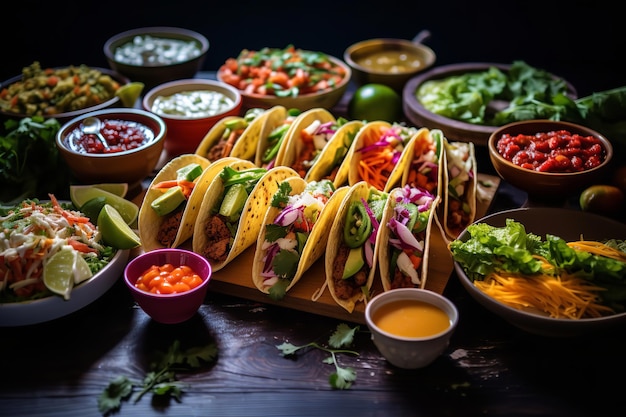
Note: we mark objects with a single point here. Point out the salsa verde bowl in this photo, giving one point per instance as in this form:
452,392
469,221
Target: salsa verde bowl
131,165
190,108
569,225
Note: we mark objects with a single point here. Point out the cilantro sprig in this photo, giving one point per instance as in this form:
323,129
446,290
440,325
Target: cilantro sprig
161,380
343,336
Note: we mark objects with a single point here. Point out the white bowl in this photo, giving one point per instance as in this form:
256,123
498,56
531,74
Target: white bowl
410,352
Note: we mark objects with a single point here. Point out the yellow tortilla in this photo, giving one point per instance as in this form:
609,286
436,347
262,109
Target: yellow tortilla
360,190
245,145
252,215
338,150
466,189
315,244
149,221
385,250
276,116
289,153
426,145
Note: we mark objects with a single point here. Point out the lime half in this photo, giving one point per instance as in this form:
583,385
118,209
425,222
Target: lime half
58,272
127,209
129,93
117,188
114,229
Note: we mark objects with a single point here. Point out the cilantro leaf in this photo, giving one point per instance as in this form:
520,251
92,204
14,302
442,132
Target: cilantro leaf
285,263
273,232
281,197
111,398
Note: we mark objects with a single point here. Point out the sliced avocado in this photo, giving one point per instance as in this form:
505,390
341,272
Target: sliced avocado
233,202
236,124
189,172
168,201
354,262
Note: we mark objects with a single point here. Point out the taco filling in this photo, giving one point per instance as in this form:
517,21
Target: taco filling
355,255
170,205
425,163
275,139
286,236
314,139
221,225
380,152
234,129
460,169
408,228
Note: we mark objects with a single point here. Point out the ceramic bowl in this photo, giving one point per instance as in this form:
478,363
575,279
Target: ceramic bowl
113,79
455,130
324,99
128,166
569,225
168,308
547,186
158,54
186,131
410,352
388,61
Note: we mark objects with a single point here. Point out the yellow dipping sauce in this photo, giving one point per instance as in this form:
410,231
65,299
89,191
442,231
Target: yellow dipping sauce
391,61
411,318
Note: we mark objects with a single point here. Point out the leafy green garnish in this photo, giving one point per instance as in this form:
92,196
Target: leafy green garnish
30,163
281,196
161,380
343,336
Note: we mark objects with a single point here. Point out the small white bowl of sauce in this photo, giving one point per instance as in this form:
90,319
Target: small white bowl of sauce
411,327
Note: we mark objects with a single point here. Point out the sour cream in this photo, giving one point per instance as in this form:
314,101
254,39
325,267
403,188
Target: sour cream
154,51
195,104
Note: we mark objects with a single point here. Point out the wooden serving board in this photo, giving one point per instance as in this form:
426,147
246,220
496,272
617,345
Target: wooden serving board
236,278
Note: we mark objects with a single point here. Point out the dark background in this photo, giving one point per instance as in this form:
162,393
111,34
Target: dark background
582,41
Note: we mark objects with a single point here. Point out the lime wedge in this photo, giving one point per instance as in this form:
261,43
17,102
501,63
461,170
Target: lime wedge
58,272
129,93
127,209
92,208
114,229
117,188
82,272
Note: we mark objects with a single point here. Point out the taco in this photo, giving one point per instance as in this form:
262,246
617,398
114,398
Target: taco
310,133
405,237
295,233
276,128
377,153
422,162
169,208
232,210
333,162
460,178
233,136
350,262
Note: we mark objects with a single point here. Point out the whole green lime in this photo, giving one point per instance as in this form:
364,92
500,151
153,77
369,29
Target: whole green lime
372,102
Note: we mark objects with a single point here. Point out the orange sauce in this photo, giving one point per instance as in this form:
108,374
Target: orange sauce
411,318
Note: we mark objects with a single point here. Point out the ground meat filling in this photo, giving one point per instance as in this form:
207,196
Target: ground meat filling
457,217
169,228
349,287
400,280
218,239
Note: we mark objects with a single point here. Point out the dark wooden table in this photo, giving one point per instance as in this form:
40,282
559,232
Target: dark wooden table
61,367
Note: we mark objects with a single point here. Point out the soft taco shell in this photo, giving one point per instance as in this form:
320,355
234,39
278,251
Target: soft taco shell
252,215
245,145
342,141
358,191
315,245
454,228
385,249
289,154
149,221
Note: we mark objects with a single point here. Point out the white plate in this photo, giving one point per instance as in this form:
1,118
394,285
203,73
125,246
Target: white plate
53,307
569,225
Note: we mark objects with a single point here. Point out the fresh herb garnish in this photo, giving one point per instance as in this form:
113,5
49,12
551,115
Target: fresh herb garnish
343,336
161,380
